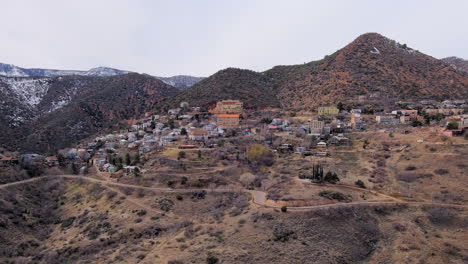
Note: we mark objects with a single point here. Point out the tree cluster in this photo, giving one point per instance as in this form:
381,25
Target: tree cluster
319,176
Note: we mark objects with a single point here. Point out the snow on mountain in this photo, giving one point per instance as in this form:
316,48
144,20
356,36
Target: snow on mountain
26,98
104,71
12,70
179,81
15,71
29,91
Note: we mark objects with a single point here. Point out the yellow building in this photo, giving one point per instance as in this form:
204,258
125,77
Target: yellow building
328,110
228,120
229,107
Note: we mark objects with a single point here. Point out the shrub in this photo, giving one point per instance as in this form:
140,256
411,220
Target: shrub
411,168
441,215
260,154
181,155
166,205
281,233
68,222
284,208
441,171
175,262
212,259
416,123
452,125
333,195
360,184
198,195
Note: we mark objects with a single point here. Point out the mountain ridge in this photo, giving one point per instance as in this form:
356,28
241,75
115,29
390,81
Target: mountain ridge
9,70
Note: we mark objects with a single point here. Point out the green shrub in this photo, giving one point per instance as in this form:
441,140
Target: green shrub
68,222
360,184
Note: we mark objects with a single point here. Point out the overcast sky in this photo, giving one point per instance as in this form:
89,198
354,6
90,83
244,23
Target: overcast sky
201,37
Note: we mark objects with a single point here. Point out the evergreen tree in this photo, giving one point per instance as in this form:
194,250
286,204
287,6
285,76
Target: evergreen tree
136,159
128,159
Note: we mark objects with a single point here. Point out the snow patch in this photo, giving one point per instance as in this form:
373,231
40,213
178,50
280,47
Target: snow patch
375,51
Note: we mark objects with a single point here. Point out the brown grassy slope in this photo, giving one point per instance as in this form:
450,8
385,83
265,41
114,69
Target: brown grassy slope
76,222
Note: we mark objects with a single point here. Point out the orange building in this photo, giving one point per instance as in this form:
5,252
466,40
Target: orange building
228,120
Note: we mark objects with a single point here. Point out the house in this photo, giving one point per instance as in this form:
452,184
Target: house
386,120
338,140
316,126
52,161
328,110
130,169
356,121
410,118
8,161
410,111
322,144
228,120
300,149
198,135
174,111
445,111
276,121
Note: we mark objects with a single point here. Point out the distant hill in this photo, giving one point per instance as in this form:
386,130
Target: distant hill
9,70
58,111
181,81
458,64
373,68
253,88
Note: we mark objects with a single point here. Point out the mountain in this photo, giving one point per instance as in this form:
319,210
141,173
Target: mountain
179,81
48,113
371,69
458,64
10,70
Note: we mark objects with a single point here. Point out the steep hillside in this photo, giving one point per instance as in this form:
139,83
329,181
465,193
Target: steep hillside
98,103
372,67
458,64
254,89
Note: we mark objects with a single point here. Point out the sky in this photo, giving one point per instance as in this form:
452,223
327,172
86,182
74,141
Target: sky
201,37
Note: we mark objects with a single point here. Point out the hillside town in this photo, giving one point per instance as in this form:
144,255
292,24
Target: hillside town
316,133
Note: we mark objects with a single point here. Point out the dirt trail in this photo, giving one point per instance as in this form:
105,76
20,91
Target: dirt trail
258,197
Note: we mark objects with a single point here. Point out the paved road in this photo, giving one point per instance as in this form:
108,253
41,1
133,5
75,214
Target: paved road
258,197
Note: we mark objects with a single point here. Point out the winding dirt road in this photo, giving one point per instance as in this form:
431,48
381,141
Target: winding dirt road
258,197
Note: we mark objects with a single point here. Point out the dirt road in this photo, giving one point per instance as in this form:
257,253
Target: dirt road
258,197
